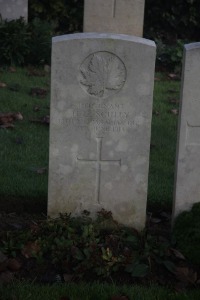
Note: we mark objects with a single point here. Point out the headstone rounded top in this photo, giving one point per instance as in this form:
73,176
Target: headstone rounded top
95,35
192,46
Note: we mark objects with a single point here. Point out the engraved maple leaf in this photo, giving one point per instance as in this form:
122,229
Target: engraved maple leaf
115,75
103,72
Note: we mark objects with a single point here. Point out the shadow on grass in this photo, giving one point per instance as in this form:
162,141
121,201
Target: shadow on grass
20,205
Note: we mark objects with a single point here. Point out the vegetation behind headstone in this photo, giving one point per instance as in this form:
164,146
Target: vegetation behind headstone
25,44
187,233
170,23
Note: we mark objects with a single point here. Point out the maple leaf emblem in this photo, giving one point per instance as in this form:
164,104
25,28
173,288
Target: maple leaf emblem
102,72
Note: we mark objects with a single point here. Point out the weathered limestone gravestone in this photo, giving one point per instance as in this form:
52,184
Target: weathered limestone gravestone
187,180
116,16
13,9
101,106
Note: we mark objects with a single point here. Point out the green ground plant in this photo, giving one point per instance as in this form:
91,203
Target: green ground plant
84,249
187,233
20,41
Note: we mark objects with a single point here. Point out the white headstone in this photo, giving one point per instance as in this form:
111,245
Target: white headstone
101,107
13,9
116,16
187,180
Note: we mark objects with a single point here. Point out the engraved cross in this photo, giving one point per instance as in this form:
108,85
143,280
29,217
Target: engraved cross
99,161
114,8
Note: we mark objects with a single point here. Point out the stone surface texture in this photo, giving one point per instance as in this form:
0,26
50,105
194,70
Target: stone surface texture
116,16
13,9
187,179
101,107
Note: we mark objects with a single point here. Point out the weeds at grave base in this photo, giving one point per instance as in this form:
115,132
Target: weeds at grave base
79,249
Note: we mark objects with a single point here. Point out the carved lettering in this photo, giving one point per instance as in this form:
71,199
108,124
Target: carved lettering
100,118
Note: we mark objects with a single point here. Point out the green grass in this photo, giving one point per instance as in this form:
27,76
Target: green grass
22,188
26,291
163,143
23,149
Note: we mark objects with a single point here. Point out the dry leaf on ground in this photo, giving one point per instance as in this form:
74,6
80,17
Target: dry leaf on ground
3,85
40,92
173,101
186,275
177,253
13,264
7,119
44,120
12,69
174,76
174,111
30,249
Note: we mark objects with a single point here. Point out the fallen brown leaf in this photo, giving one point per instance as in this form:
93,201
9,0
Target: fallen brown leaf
47,68
174,76
41,170
40,92
177,253
174,111
13,264
36,108
34,72
186,275
173,101
155,112
30,249
12,69
10,117
44,120
7,119
3,85
155,220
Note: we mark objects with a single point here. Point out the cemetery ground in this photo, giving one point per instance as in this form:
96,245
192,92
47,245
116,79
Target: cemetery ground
34,249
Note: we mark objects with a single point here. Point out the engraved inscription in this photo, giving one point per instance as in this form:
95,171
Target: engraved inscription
100,118
102,74
99,161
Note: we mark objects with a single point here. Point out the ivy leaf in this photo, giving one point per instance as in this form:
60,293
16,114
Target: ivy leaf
170,266
138,269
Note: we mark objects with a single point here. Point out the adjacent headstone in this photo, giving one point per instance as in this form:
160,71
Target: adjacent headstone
116,16
187,180
101,107
13,9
